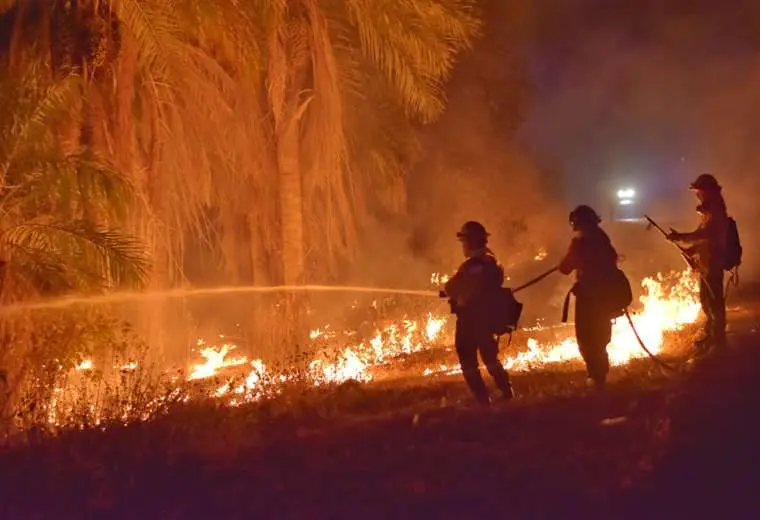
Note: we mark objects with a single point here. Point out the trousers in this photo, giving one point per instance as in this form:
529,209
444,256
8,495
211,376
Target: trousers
593,331
473,338
714,306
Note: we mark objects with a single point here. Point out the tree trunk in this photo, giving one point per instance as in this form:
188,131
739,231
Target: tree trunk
291,205
293,262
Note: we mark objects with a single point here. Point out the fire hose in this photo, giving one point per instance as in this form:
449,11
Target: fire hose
640,341
643,345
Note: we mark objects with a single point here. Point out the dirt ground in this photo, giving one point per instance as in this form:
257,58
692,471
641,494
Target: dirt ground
655,445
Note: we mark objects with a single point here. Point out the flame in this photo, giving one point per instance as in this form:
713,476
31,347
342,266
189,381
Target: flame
663,310
85,364
438,278
667,304
215,360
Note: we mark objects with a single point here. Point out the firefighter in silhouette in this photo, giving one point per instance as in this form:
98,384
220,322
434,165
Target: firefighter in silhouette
592,257
707,245
471,292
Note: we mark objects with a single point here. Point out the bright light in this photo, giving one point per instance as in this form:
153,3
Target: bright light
626,202
627,193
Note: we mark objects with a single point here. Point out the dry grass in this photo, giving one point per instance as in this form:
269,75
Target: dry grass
397,446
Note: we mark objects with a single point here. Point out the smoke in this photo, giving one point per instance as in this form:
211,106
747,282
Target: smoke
473,166
654,108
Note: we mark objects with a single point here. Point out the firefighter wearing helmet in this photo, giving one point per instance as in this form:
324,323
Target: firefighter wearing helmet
470,291
592,257
707,246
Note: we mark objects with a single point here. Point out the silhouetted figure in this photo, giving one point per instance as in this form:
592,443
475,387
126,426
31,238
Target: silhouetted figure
594,260
471,292
707,246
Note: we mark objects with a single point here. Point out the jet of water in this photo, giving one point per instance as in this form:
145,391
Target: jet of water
119,297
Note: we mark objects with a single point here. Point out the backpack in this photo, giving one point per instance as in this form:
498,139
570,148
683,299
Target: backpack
505,311
612,291
733,252
619,294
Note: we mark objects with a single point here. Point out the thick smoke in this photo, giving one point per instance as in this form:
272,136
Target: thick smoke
653,105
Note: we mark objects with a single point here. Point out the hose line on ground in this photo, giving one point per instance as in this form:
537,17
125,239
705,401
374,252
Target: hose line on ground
643,346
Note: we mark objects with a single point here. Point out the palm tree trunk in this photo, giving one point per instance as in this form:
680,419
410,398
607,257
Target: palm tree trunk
292,229
291,205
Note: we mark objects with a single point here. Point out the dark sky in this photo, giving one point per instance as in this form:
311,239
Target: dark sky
646,93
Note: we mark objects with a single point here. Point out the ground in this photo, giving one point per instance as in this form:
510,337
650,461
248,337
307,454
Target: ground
657,444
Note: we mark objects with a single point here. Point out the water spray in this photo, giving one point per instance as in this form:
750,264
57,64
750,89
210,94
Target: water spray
117,297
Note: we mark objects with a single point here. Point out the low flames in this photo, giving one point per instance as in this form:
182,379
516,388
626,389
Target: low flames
668,304
665,308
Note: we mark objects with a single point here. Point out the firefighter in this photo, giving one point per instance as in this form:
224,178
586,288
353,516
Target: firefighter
592,257
707,246
471,292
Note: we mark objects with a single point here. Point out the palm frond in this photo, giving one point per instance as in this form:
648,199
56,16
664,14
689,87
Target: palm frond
61,184
83,254
153,26
414,45
32,120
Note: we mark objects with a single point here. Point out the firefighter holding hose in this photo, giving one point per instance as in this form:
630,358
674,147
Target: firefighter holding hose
593,258
471,292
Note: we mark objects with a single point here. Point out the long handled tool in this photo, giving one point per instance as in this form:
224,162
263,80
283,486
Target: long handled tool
684,254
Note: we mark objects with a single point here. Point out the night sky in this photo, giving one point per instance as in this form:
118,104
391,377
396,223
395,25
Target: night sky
634,93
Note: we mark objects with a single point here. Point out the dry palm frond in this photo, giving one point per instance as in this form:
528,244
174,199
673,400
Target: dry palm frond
413,44
372,66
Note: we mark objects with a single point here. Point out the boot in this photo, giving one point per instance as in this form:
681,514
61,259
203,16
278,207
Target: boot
477,386
501,379
507,393
702,345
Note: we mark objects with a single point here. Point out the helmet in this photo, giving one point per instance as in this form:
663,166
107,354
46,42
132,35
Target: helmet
705,182
584,216
472,229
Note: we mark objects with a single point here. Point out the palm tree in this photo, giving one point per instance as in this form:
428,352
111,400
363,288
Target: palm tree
227,91
234,105
58,206
344,77
60,210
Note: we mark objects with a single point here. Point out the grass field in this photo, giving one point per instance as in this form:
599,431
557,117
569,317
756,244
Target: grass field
655,445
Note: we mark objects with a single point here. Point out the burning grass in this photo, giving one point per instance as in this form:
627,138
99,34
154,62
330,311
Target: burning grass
130,390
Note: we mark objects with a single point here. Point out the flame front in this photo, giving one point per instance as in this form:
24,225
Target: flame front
668,304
